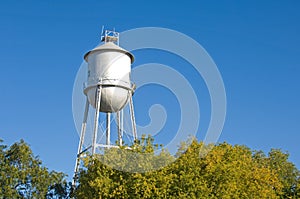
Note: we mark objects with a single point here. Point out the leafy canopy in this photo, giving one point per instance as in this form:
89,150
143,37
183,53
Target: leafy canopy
223,171
23,176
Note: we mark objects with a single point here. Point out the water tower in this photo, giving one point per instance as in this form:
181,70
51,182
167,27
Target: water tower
108,90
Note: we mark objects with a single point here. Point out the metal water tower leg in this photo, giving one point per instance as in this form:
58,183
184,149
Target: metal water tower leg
132,117
119,128
96,118
81,141
107,128
122,123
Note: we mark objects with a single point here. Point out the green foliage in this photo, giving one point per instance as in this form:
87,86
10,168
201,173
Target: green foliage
200,171
287,173
23,176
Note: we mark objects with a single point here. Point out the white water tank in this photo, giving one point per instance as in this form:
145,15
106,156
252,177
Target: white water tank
109,66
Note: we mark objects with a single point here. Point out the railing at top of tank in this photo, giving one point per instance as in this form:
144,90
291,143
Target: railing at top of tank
110,36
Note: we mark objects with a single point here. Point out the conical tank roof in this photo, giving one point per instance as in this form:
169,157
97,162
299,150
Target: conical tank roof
110,46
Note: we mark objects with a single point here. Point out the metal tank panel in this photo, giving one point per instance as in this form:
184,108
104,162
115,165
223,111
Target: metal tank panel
110,66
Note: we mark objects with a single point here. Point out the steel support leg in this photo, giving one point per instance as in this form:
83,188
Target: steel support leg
108,128
96,118
119,128
122,123
132,117
81,141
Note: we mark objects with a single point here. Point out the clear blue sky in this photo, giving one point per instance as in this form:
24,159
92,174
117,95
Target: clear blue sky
255,45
